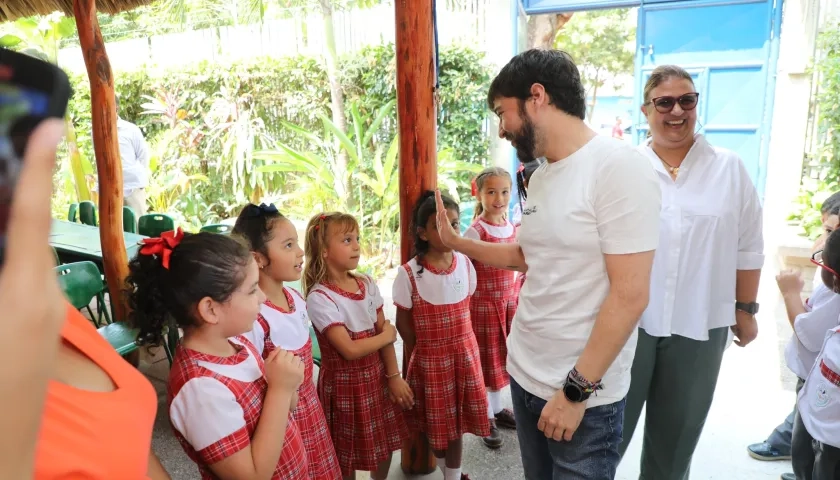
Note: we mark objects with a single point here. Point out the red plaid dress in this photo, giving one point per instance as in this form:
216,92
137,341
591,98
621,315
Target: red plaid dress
366,427
215,404
445,368
289,330
492,309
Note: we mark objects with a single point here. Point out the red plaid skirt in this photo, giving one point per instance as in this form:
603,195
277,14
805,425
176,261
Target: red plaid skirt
309,416
366,427
491,320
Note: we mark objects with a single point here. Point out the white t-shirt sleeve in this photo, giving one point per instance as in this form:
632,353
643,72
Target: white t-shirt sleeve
627,203
473,277
322,311
472,233
750,237
811,327
401,290
208,416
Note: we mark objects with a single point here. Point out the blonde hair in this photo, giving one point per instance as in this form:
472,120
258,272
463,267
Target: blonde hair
315,270
479,185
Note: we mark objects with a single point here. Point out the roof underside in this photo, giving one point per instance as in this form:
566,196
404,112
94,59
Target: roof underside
11,10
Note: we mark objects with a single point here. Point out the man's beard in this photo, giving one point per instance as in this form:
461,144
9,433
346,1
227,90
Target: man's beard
525,140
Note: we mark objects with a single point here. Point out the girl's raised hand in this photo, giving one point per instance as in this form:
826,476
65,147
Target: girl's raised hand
448,235
283,370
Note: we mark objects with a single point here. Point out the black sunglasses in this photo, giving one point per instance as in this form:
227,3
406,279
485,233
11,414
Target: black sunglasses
687,102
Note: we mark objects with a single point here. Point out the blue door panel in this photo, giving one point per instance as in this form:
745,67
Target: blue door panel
738,142
745,92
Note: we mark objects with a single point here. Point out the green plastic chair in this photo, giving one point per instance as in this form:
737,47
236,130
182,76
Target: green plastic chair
81,283
73,213
129,220
153,224
87,213
121,337
316,349
217,228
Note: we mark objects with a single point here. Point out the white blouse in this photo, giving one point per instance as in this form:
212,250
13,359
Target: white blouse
823,313
710,227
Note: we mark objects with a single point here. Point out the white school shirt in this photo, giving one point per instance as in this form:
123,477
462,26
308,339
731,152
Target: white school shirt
602,199
819,399
822,314
288,331
499,231
328,308
710,227
433,288
205,411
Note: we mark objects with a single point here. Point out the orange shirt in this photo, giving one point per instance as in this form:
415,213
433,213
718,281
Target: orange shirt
94,435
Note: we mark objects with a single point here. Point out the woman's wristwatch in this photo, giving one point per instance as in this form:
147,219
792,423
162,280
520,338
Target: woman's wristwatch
578,389
750,308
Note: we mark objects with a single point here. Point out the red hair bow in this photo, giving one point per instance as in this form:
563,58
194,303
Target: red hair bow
162,246
473,188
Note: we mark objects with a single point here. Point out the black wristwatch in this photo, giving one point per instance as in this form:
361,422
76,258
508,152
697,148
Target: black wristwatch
751,307
577,389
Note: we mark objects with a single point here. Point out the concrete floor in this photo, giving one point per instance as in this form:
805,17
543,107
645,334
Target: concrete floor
754,394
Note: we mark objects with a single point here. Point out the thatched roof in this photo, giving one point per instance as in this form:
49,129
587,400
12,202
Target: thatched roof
13,9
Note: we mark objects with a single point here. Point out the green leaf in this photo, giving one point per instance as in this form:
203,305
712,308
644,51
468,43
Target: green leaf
8,40
66,27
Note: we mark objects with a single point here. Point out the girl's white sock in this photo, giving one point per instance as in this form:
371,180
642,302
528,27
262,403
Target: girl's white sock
452,474
495,400
442,465
490,413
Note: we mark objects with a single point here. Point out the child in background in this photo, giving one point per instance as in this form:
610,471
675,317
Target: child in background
816,430
359,383
523,176
230,410
494,302
283,323
432,293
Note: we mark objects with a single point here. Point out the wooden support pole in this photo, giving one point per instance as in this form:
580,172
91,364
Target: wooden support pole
418,152
107,149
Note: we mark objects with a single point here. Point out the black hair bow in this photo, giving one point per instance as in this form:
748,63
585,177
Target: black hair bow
262,209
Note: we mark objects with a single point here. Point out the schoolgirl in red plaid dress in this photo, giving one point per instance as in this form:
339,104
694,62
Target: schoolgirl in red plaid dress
359,384
283,323
219,387
495,300
432,294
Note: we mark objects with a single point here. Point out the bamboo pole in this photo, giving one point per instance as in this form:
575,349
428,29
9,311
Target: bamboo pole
107,149
418,153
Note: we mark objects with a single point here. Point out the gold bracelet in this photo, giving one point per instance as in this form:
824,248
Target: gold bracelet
392,375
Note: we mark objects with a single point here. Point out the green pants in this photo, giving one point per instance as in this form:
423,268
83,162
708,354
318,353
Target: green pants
676,377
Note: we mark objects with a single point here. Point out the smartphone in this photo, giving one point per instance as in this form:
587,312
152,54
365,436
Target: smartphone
31,90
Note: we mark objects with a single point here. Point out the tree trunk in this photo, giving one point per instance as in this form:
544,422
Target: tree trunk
107,148
417,114
336,101
543,28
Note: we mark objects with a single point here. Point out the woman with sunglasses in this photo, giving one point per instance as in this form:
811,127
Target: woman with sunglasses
704,280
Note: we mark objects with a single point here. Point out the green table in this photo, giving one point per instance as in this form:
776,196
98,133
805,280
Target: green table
76,242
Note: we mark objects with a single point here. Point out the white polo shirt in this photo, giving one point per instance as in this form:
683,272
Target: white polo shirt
602,199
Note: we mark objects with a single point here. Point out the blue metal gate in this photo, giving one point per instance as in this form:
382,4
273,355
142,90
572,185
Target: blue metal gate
730,47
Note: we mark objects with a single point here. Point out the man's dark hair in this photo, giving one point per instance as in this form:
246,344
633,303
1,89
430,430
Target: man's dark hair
553,69
830,203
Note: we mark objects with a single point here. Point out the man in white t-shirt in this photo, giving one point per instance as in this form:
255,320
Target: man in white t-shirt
587,241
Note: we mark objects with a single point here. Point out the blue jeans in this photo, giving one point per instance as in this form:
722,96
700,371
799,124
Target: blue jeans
592,454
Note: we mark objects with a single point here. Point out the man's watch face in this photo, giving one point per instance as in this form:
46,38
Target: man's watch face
573,393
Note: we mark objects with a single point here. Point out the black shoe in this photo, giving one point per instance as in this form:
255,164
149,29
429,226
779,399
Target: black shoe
505,419
788,476
494,441
766,452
